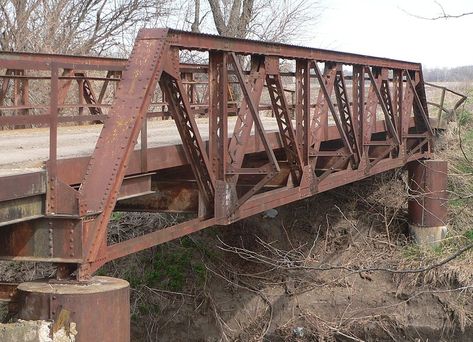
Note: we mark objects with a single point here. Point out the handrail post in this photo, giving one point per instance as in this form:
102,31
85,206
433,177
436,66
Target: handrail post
442,101
53,122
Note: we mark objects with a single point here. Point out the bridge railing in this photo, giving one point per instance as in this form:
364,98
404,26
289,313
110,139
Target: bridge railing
445,108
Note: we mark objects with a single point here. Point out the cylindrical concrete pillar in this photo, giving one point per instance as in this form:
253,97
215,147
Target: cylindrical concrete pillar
98,310
428,200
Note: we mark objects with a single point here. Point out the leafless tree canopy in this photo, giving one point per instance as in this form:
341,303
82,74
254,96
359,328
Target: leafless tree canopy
258,19
108,27
72,26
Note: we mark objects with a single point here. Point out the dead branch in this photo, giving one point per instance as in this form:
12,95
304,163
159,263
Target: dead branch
443,15
300,264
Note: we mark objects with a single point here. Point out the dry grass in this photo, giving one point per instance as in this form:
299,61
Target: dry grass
456,146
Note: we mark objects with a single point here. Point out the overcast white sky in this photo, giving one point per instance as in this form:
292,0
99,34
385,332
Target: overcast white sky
381,28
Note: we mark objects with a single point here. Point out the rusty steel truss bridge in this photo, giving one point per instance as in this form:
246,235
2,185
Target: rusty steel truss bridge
260,125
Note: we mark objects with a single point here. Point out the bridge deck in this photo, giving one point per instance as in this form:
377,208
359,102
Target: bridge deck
28,149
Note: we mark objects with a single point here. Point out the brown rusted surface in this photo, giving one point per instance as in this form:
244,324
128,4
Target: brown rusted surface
39,61
21,209
54,240
338,118
23,185
428,193
166,197
7,291
135,186
100,187
205,42
99,309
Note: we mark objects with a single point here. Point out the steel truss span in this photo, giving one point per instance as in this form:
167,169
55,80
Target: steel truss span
281,123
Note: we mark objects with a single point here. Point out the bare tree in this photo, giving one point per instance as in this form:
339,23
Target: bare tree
258,19
195,27
72,26
232,19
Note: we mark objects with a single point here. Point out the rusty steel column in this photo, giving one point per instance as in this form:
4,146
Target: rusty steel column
99,310
428,200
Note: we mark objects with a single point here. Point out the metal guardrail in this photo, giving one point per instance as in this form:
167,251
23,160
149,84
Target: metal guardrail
444,113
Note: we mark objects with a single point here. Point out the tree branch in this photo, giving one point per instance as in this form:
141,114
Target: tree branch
444,14
195,25
218,17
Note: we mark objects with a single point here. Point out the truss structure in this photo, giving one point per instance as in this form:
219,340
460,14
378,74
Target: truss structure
338,118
